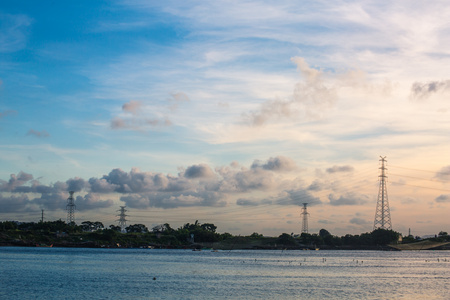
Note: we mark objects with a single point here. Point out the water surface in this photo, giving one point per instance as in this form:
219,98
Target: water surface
66,273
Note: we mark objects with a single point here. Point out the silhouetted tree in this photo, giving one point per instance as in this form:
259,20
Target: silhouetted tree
324,232
256,235
384,237
286,239
138,228
114,227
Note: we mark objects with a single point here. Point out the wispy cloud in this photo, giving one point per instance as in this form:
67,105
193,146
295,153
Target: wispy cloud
350,198
311,97
39,134
337,169
133,107
13,32
137,117
359,221
443,199
7,113
422,91
444,173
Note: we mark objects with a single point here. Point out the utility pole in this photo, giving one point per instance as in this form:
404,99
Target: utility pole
122,220
382,214
70,209
305,218
42,216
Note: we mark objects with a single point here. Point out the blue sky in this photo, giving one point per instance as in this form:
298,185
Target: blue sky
231,112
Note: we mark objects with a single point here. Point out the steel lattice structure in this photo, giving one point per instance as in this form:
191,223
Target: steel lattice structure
70,209
122,220
305,218
382,214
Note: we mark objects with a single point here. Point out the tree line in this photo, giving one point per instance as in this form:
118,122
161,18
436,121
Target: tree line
187,234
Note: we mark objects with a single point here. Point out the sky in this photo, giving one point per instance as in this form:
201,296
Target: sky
226,112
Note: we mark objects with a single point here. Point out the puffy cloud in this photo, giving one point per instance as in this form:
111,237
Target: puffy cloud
279,163
15,181
91,201
359,221
253,179
101,185
39,188
196,185
132,107
247,202
421,91
336,169
443,199
173,200
135,116
348,199
76,184
273,109
198,171
316,186
118,123
13,203
325,222
39,134
297,197
138,124
52,201
311,97
177,99
444,174
7,112
136,201
140,182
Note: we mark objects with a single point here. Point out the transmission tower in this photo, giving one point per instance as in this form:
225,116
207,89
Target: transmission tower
305,218
122,220
70,209
382,214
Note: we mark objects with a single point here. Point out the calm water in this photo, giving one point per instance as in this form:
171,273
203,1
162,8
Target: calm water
64,273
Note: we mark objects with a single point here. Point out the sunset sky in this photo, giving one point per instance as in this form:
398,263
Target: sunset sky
226,112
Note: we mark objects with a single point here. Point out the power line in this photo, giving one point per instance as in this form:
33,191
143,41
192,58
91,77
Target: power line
420,170
424,187
432,180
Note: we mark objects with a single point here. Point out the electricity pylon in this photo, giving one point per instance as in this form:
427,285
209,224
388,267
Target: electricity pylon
70,209
122,220
382,214
305,218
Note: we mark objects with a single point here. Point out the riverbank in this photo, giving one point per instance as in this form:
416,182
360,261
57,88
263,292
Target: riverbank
198,236
234,243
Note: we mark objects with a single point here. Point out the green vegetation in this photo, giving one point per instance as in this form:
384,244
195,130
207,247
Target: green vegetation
93,234
196,235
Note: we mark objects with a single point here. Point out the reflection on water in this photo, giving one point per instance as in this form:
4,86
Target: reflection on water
64,273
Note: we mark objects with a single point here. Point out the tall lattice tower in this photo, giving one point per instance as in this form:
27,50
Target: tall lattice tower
382,215
70,209
122,220
305,218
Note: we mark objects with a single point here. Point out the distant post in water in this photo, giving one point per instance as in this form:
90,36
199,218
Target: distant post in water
382,214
